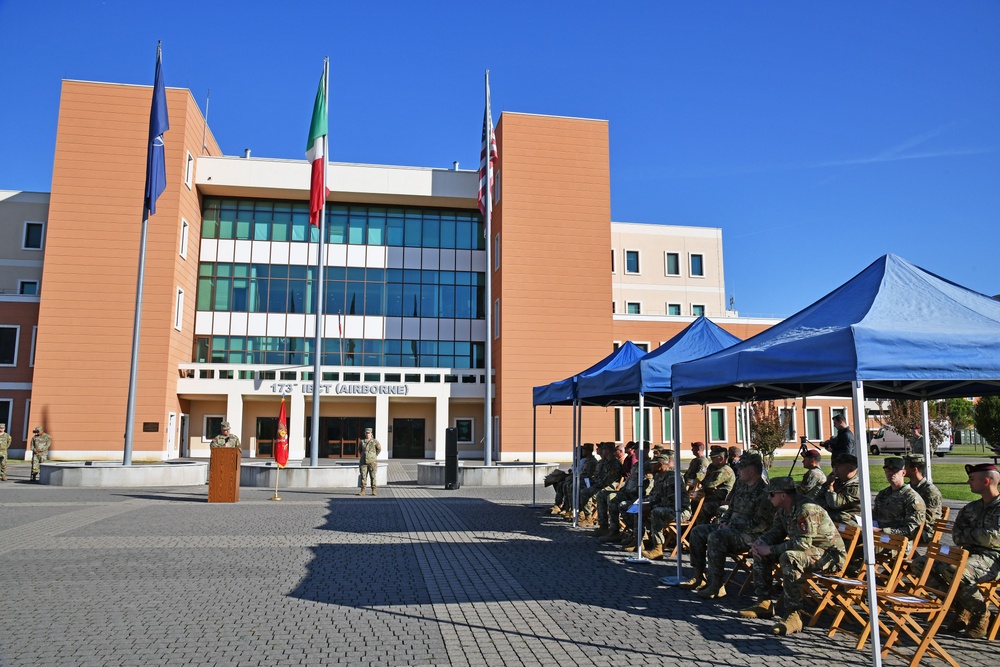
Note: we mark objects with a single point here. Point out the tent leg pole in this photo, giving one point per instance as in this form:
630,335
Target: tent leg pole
639,558
534,452
675,419
861,439
925,430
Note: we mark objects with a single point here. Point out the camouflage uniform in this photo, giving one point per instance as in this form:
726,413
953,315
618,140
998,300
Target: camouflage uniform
696,470
749,514
661,500
718,482
608,497
811,485
803,540
977,530
898,512
39,452
369,450
564,497
4,444
843,503
932,507
607,476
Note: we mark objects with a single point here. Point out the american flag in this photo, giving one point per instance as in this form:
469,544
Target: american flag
488,156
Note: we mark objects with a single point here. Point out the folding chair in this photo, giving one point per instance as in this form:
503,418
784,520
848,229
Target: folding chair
810,589
991,591
915,542
940,528
925,600
850,595
743,564
670,530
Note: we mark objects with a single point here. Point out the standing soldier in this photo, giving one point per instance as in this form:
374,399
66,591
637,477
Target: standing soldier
225,438
368,451
4,444
40,444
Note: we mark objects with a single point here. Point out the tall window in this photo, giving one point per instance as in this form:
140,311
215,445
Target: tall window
740,416
646,425
465,430
34,234
8,345
672,264
632,307
212,427
717,424
789,415
612,260
673,309
813,429
179,309
6,412
618,425
496,319
697,265
189,170
631,261
496,252
833,413
667,417
185,228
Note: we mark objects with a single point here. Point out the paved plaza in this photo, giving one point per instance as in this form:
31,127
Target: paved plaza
416,576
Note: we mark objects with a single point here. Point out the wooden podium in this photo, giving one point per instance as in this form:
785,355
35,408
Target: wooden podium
224,475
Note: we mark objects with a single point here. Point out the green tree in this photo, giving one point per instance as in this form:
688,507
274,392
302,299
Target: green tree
987,420
768,428
960,412
905,416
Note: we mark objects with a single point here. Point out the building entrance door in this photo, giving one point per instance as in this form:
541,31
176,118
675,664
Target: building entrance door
338,436
407,438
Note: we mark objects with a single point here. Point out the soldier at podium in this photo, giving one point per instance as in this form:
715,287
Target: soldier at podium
225,438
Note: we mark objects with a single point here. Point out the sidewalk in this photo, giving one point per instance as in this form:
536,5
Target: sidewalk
416,576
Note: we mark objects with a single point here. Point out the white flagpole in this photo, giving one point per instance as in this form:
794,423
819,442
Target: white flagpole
320,263
488,402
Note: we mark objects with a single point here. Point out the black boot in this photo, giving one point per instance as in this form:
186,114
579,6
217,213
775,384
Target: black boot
34,477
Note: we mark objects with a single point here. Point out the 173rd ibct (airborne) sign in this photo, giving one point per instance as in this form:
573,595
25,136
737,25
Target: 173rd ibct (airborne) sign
351,388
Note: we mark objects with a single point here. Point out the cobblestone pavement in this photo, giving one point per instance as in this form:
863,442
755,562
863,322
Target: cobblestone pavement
416,576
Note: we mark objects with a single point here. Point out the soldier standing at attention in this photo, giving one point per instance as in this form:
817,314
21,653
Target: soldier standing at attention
802,539
40,444
225,438
813,478
915,467
4,444
368,452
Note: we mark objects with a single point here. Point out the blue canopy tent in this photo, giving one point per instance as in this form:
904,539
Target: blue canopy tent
564,392
893,331
648,382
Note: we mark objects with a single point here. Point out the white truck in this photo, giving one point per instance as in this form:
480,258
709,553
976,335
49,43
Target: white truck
887,441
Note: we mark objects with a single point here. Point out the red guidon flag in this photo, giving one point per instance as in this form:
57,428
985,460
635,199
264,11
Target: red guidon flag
316,154
281,442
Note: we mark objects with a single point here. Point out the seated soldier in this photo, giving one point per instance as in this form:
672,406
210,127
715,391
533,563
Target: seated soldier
813,478
734,458
915,468
841,493
716,485
587,465
663,508
617,510
607,477
606,498
898,510
802,539
977,530
697,467
748,516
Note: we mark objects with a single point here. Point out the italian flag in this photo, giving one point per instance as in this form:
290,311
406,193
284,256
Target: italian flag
316,154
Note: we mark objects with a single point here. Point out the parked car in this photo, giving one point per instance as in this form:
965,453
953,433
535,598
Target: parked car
887,441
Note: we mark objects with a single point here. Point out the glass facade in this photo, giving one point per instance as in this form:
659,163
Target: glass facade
291,288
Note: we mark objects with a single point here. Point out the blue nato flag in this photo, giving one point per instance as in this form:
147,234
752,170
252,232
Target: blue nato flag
156,173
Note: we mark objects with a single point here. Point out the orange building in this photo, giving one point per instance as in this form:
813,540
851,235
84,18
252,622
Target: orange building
230,296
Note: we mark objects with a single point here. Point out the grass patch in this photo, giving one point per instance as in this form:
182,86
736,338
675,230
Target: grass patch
949,478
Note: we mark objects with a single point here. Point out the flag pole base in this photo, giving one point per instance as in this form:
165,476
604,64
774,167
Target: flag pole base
275,497
637,559
671,581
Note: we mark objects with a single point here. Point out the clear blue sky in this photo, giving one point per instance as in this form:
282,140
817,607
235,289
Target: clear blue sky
818,136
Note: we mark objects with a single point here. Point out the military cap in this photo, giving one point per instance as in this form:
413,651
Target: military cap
224,426
697,443
915,460
846,459
893,462
783,484
980,467
38,429
751,459
3,426
368,430
717,450
812,454
664,460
